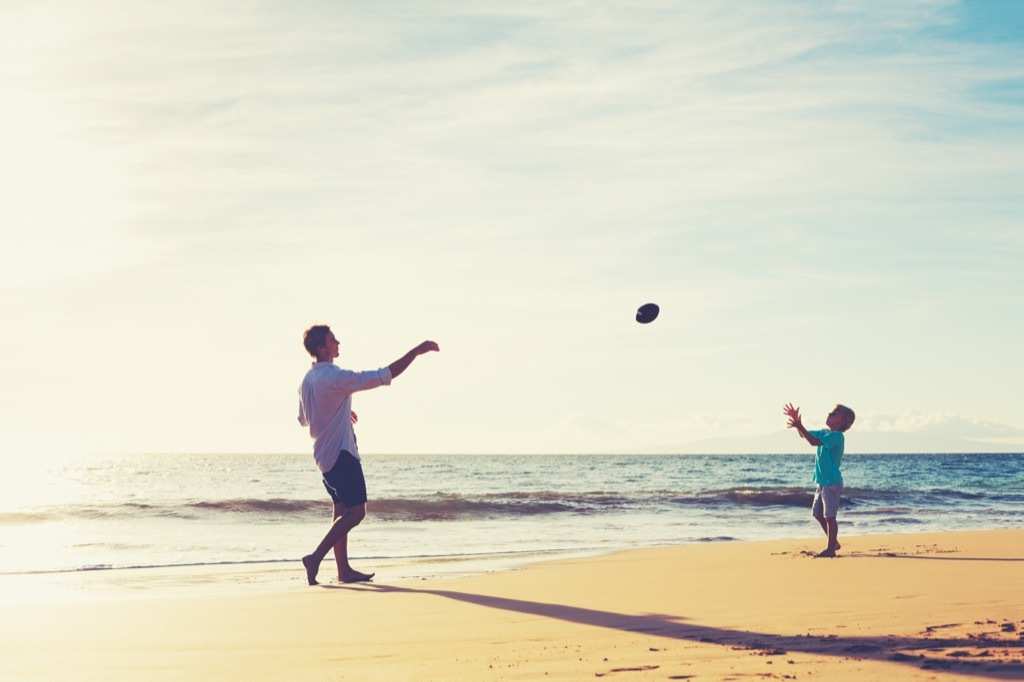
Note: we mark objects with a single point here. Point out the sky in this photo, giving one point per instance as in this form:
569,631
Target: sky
825,199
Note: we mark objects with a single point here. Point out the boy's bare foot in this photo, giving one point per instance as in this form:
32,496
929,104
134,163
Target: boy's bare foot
825,553
311,568
357,577
838,546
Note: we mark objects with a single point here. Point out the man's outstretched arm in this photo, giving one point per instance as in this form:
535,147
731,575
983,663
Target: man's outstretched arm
402,363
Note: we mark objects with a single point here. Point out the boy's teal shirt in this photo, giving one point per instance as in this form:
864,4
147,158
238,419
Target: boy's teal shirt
828,457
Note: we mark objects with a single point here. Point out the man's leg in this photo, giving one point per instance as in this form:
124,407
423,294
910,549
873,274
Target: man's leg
337,538
346,573
341,546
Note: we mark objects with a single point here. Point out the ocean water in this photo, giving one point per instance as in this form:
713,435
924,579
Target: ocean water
120,518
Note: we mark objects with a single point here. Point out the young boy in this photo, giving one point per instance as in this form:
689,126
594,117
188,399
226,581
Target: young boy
830,443
325,406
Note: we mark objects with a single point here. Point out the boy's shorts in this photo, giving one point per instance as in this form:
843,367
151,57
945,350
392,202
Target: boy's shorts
826,500
344,482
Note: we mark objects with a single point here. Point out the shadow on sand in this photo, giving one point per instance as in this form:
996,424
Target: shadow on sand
891,555
986,652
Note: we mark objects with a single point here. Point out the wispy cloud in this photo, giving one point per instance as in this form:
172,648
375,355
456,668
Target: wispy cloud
946,423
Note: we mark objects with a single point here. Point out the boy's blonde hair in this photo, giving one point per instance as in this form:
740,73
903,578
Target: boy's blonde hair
847,415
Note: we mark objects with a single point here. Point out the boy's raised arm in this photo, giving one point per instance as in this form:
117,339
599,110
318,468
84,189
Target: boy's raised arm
794,423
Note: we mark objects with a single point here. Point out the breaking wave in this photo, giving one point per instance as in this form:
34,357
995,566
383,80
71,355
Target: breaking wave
468,507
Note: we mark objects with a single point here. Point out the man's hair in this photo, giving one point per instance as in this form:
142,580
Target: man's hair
848,416
315,337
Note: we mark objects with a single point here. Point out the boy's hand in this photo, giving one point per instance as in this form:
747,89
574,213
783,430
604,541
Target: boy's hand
794,415
794,423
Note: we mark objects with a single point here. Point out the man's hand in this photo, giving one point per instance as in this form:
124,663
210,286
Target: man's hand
426,347
354,417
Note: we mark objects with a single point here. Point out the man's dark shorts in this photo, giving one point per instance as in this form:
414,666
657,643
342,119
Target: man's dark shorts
345,482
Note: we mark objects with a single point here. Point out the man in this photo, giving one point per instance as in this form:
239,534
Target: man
325,406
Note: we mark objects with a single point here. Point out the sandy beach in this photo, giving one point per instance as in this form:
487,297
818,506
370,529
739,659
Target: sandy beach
891,607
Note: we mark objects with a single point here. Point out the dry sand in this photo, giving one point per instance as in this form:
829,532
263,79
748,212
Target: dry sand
942,606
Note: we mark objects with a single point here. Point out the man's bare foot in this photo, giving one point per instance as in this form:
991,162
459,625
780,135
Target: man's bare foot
825,553
312,567
354,576
838,546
